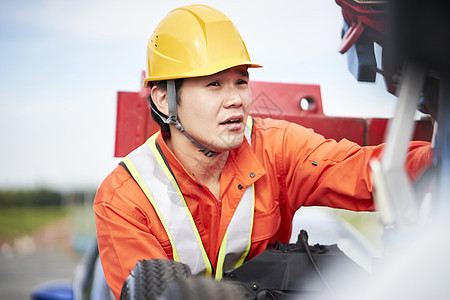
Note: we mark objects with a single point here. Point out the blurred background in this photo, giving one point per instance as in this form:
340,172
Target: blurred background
61,66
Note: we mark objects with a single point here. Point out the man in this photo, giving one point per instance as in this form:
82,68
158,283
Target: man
214,187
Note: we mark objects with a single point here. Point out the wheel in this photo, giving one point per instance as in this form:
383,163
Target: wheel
149,278
202,288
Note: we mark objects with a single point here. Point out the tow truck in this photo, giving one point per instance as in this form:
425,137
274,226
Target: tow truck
415,39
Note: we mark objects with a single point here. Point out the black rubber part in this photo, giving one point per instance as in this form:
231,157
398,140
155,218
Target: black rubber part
149,278
202,288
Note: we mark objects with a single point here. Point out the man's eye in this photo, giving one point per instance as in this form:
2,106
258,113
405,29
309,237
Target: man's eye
242,82
214,83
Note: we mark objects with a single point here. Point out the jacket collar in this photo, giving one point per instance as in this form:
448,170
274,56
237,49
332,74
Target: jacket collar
242,162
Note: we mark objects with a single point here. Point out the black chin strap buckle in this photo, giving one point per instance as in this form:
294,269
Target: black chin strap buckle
173,121
207,152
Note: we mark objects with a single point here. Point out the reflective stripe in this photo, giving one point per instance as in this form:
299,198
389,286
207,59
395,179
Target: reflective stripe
147,166
234,250
149,171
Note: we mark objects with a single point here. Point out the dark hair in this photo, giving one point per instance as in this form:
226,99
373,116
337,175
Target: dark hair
163,84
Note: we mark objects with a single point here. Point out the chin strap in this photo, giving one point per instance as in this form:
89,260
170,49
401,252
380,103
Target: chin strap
173,118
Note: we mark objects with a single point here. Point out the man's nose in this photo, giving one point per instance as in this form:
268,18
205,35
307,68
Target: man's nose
233,97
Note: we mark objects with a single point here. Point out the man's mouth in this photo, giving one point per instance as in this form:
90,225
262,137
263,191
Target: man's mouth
233,120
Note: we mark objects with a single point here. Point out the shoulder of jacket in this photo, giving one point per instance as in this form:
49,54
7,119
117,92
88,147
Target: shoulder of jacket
268,123
119,179
274,125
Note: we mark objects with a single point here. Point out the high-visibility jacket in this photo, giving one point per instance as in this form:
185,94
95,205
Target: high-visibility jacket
290,166
148,168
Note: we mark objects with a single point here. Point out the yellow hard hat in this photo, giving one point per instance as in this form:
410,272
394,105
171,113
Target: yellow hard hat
193,41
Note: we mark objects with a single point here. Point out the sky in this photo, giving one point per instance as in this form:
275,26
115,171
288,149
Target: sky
62,63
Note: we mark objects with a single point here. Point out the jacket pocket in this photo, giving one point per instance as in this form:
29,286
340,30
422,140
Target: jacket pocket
266,224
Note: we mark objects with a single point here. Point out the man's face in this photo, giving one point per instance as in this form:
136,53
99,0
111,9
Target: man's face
214,109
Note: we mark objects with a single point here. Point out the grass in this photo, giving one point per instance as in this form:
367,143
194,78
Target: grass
18,221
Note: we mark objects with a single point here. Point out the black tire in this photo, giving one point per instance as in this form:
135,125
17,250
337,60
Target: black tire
149,278
202,288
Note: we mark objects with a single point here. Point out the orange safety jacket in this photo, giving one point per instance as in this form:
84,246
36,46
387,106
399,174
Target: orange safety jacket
290,166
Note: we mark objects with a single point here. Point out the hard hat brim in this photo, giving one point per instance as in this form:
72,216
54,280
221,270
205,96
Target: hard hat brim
206,71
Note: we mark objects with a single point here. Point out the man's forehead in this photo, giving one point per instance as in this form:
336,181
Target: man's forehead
241,70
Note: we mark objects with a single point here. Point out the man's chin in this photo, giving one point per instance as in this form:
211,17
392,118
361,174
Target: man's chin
227,145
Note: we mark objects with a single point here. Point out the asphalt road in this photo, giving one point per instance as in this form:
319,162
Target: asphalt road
19,274
33,260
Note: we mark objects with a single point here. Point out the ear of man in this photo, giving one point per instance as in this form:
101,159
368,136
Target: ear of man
159,97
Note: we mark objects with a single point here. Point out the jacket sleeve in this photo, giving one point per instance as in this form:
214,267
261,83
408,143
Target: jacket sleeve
324,172
124,232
